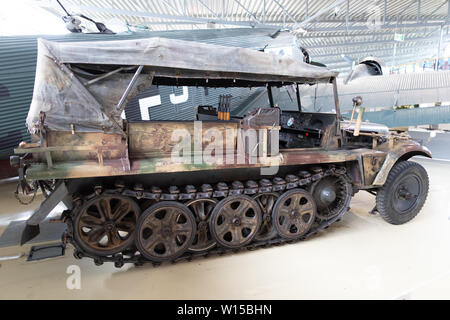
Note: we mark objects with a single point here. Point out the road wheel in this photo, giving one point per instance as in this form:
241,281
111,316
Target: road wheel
202,209
105,224
266,202
235,221
294,214
404,192
165,230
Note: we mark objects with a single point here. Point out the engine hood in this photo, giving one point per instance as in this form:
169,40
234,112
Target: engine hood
366,127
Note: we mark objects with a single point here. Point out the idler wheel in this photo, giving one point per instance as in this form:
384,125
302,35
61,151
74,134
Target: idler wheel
235,221
294,213
165,231
105,225
332,195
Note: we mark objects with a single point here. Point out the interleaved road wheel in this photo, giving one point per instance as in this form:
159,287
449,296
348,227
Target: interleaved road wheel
165,231
235,221
294,214
105,225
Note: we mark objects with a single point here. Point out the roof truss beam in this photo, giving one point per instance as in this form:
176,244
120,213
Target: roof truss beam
365,52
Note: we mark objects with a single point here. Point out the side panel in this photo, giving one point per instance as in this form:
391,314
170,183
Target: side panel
111,146
372,164
158,138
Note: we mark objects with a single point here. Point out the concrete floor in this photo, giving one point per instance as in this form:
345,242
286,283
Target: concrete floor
360,257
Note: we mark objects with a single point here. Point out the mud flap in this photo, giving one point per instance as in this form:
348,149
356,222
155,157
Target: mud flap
49,231
29,233
32,228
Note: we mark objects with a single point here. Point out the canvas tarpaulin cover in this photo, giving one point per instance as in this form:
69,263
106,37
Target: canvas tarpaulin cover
69,101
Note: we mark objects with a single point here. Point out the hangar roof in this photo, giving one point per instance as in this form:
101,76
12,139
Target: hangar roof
396,31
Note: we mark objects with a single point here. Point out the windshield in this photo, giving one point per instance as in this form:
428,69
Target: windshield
314,98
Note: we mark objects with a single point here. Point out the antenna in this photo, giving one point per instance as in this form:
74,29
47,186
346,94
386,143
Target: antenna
73,24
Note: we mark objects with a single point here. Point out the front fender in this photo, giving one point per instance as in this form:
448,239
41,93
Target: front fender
402,152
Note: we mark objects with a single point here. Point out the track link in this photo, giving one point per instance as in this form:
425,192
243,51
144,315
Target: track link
303,179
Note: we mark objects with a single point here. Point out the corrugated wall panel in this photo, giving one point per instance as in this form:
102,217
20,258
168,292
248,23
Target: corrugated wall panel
409,117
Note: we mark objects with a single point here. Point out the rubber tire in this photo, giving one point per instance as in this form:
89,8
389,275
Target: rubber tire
385,194
144,216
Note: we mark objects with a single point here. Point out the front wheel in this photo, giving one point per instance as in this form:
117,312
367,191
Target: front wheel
404,192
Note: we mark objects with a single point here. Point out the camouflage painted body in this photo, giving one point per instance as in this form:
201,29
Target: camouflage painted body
148,147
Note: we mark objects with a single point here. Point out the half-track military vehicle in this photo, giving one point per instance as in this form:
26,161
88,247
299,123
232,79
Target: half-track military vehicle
156,191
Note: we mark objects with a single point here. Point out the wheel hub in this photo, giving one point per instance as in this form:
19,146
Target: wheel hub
404,194
235,221
202,226
327,195
166,231
109,225
202,209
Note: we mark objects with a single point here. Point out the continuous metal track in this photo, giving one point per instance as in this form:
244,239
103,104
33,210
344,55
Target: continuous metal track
304,179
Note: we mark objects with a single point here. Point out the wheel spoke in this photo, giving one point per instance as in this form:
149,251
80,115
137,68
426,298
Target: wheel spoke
305,208
201,211
88,221
113,237
244,206
94,214
236,235
286,223
284,211
101,212
126,226
248,222
105,205
151,241
153,223
228,212
183,228
168,215
294,202
121,211
269,206
221,229
299,226
202,237
96,234
261,205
